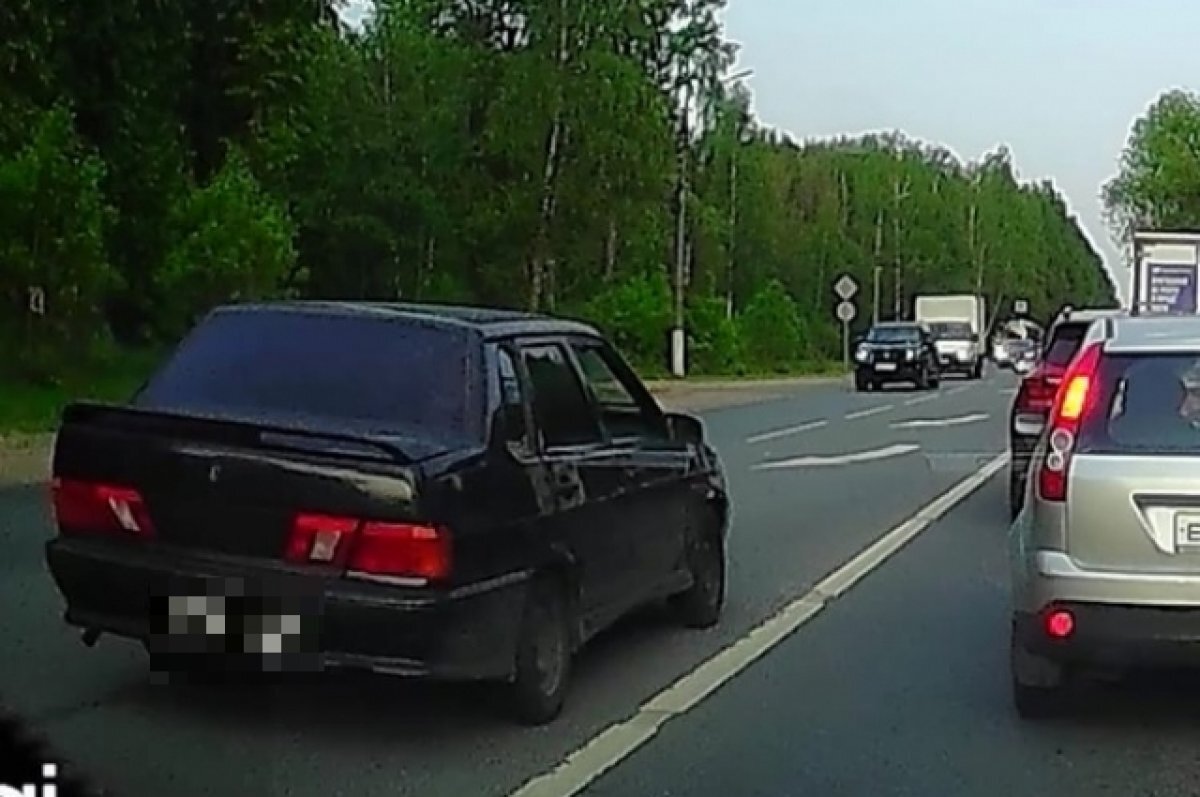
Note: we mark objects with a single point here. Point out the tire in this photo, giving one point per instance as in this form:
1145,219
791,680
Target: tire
1016,492
700,605
860,383
542,669
977,371
1039,686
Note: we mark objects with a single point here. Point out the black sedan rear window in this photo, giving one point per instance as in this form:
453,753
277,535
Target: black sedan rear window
382,374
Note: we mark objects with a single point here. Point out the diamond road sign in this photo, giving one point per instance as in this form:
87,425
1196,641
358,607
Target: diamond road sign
845,287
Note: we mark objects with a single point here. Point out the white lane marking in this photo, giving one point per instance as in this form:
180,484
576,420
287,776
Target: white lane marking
954,391
1011,391
925,423
582,767
790,430
854,416
912,402
898,450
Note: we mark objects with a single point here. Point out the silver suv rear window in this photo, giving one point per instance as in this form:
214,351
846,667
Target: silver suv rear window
1147,404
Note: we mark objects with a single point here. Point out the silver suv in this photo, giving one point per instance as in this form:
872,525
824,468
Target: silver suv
1106,553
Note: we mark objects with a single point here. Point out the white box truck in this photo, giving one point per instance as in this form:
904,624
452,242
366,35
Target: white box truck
959,327
1164,273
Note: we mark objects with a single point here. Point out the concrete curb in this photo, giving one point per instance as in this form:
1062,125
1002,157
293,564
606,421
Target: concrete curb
25,458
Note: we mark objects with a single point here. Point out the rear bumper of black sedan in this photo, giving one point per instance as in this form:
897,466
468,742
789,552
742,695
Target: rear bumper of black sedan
332,623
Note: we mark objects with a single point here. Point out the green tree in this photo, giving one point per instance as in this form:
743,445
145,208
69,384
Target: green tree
52,219
232,242
1158,185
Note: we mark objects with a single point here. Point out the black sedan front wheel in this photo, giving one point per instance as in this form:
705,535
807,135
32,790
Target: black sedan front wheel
700,605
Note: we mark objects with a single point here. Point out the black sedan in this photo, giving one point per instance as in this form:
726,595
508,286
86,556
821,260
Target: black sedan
428,492
896,352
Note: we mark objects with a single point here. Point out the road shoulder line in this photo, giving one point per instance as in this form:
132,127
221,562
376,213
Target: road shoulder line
616,743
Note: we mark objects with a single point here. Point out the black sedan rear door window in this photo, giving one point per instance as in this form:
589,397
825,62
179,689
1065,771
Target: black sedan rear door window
561,409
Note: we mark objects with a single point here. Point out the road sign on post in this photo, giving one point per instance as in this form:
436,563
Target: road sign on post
845,287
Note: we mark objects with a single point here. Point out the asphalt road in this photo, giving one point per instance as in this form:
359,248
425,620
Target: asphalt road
898,686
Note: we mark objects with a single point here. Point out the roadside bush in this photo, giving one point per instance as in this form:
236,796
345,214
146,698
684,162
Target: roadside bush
714,343
770,330
636,315
233,242
52,222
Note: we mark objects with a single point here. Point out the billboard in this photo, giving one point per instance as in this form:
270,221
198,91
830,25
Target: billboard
1171,288
1165,271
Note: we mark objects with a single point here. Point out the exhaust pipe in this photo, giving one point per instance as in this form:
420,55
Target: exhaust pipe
91,636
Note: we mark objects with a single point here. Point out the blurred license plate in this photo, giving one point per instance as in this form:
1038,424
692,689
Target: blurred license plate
885,366
1187,529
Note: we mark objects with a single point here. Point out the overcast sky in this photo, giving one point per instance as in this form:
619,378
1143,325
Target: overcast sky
1059,81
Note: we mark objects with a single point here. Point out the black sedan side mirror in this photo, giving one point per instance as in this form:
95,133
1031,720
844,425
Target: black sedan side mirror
685,428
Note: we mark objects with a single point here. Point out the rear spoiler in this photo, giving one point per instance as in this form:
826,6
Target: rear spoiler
234,431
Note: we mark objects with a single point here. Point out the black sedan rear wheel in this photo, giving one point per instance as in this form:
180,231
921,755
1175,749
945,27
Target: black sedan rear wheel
543,665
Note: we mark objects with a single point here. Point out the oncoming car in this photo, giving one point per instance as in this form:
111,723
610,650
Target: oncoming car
898,351
420,491
1106,556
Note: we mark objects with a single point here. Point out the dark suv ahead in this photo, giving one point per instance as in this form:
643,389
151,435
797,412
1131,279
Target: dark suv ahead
896,352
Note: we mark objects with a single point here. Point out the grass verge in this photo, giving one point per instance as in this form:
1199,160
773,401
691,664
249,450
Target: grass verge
29,408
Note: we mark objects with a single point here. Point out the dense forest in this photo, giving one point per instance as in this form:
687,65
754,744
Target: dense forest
557,155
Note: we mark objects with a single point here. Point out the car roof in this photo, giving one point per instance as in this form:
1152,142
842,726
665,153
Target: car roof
1086,316
1134,334
898,325
490,322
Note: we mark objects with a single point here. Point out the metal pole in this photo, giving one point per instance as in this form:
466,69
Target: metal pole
846,346
875,296
678,336
733,172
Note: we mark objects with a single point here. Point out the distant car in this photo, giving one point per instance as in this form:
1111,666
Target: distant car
1001,351
430,492
1035,396
1023,356
958,348
896,352
1106,557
